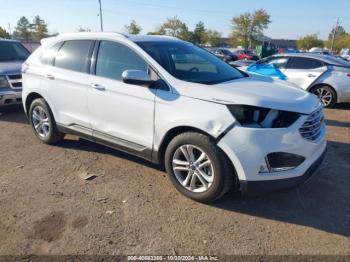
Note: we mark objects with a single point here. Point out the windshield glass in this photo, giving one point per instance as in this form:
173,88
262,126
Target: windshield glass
12,51
190,63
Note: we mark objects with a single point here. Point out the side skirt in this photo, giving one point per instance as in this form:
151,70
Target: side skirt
108,140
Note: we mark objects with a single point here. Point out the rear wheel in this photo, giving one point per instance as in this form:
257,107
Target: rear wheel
198,168
43,122
326,94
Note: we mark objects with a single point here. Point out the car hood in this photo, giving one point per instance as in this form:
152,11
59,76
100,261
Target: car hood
256,91
10,68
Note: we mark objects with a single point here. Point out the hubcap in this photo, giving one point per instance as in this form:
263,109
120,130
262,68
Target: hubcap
40,121
193,168
324,95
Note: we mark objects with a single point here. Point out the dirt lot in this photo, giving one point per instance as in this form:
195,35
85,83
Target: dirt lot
131,207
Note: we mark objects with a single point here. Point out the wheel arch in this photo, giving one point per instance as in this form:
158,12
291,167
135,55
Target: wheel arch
29,99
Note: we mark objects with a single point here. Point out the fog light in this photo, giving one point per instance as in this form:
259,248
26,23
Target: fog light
280,161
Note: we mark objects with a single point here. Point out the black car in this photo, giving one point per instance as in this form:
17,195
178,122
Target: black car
224,54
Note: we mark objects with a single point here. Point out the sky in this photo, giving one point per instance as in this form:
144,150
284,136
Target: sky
290,19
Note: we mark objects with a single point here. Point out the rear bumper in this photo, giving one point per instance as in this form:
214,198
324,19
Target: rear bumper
260,187
10,98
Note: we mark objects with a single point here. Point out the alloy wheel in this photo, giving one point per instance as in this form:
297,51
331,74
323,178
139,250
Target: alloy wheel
193,168
324,95
40,121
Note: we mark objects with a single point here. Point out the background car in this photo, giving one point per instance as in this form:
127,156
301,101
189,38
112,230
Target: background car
224,54
345,54
246,55
325,76
12,55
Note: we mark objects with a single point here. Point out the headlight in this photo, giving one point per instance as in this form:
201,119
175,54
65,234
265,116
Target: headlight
260,117
4,82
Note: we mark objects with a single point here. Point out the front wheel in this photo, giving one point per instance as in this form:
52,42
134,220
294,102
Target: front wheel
326,94
198,168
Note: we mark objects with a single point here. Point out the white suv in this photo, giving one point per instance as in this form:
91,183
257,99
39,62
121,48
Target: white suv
212,126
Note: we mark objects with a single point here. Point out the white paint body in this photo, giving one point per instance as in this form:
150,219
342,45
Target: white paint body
144,116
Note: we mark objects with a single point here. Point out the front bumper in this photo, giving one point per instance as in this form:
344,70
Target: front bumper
10,98
248,147
260,187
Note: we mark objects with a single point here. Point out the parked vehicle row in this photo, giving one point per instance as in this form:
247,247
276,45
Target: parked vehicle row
214,128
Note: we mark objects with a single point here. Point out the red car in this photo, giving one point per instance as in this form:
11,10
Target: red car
246,55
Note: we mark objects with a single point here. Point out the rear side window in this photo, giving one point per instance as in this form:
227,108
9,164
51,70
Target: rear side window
114,58
48,55
74,55
304,63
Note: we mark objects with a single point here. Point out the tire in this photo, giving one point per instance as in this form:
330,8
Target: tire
47,132
326,94
220,173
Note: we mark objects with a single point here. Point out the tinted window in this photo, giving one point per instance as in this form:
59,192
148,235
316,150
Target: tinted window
48,55
304,63
12,51
114,58
73,55
190,63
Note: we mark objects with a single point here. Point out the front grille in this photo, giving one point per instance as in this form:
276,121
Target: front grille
311,129
15,81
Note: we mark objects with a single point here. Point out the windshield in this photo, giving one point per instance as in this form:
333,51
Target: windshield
190,63
12,51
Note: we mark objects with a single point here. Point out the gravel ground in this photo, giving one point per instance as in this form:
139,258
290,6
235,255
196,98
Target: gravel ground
130,207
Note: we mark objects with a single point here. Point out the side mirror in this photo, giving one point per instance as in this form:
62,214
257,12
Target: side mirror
136,77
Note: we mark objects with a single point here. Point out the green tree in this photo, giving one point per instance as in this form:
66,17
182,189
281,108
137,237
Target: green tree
133,28
4,33
39,28
309,41
23,29
337,32
176,28
247,27
200,33
213,38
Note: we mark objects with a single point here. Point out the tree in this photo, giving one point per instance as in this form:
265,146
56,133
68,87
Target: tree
39,27
82,29
176,28
337,32
23,29
247,27
213,38
133,28
200,33
309,41
4,33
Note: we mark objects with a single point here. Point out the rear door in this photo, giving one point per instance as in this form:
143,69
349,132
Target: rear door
67,83
303,71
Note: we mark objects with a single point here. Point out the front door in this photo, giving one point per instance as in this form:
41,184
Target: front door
120,114
303,71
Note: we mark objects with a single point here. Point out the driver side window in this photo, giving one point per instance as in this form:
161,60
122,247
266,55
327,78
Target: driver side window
114,58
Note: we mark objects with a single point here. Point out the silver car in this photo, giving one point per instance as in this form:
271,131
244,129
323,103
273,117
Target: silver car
12,55
326,76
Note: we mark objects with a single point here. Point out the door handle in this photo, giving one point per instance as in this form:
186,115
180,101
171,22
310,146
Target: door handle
98,87
311,75
51,77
